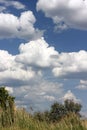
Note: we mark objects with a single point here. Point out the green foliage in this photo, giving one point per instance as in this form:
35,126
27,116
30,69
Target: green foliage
72,106
42,116
7,107
57,112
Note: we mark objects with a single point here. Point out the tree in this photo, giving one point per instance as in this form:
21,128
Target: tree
57,112
7,106
71,106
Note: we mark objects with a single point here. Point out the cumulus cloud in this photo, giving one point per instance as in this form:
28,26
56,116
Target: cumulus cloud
71,65
12,72
24,75
70,96
22,27
37,53
73,13
15,4
30,75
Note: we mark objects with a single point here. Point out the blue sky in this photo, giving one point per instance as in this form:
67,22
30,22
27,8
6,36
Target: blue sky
43,51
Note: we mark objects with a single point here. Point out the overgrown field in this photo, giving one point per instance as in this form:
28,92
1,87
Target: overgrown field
25,121
64,116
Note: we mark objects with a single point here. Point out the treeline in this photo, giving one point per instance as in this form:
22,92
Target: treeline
58,111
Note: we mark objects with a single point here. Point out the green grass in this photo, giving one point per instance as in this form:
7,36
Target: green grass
25,121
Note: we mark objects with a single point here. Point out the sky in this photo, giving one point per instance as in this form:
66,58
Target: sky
43,51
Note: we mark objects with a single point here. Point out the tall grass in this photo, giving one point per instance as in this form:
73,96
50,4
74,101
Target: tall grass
25,121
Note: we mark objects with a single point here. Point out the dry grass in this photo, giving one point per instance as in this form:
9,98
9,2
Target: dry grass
25,121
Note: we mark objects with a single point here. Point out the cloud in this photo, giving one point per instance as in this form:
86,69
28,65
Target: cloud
39,95
30,74
2,8
25,75
37,53
12,73
71,65
49,98
73,13
70,96
82,85
9,89
13,3
21,27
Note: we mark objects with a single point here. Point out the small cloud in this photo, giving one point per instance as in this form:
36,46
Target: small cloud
13,3
9,89
60,27
49,98
70,96
82,85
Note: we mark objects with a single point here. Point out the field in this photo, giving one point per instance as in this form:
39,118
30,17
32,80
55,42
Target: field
25,121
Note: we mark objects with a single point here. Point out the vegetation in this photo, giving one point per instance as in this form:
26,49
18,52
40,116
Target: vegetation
59,111
25,121
60,117
7,107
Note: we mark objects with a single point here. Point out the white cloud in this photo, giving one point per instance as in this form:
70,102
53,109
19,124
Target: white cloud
9,89
30,76
49,98
82,85
6,60
25,75
10,71
71,65
37,53
72,12
70,96
18,27
15,4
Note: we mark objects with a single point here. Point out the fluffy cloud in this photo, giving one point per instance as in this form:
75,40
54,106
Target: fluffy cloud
12,72
15,4
69,95
9,89
6,60
71,65
37,53
25,75
18,27
72,13
30,75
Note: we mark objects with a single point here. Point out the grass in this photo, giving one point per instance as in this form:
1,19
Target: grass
25,121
